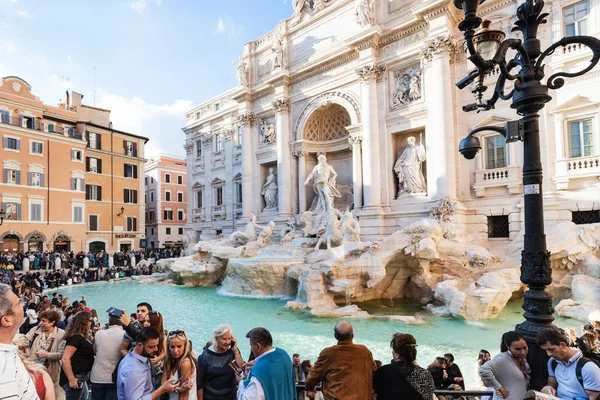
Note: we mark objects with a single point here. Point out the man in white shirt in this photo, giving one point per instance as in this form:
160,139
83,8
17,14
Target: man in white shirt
14,378
107,344
272,376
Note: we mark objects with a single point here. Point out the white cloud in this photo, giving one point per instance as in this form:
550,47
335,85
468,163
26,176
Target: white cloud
140,5
24,14
12,1
7,48
227,26
160,123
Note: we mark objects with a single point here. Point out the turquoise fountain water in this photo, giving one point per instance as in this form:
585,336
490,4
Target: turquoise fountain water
198,310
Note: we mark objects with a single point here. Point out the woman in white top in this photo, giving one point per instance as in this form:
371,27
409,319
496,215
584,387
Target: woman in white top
179,365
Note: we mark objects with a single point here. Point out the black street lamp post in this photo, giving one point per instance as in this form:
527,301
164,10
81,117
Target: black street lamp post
528,96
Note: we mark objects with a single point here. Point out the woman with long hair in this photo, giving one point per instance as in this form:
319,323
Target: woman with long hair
483,357
179,365
508,373
42,381
403,378
438,371
78,358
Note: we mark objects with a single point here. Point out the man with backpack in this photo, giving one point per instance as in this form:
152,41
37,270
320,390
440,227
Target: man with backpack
570,374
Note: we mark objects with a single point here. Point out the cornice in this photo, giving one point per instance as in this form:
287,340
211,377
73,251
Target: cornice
319,69
402,32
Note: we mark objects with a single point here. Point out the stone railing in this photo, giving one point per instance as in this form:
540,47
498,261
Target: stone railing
218,211
237,207
199,213
509,177
571,168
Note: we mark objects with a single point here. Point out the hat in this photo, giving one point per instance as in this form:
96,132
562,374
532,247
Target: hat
588,327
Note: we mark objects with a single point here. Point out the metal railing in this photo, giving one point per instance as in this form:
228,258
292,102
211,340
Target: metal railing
27,122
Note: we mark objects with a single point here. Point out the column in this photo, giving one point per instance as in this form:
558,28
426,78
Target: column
442,147
282,120
301,178
357,180
245,122
370,144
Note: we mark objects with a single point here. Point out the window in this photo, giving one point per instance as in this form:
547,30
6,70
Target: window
12,210
94,140
219,196
198,148
217,107
179,180
131,224
146,181
199,198
238,192
93,192
145,198
4,117
151,215
218,142
179,197
180,231
495,154
35,212
77,184
585,217
581,138
239,135
93,223
168,215
168,231
130,196
130,171
168,178
576,18
167,195
37,148
27,122
12,176
76,155
35,179
498,226
130,148
70,131
151,179
50,128
78,214
12,143
151,197
93,164
180,215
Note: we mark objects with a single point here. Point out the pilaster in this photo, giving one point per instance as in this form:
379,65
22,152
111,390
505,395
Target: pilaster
284,178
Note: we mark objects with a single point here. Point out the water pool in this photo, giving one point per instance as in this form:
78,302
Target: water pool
198,310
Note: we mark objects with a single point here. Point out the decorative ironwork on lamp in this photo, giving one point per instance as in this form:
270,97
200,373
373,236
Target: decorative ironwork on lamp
2,215
488,50
122,211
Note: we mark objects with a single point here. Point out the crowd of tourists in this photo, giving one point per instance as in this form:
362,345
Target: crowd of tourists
55,348
47,260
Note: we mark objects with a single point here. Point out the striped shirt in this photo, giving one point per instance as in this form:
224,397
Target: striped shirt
15,382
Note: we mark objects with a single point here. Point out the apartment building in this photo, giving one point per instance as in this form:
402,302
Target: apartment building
166,201
70,181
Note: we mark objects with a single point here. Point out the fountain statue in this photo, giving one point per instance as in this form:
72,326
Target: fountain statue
324,177
330,226
269,191
266,232
248,234
350,228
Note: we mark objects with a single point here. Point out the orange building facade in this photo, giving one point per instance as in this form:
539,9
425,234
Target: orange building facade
166,201
70,181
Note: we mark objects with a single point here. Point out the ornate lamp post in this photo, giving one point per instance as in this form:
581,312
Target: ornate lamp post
528,97
2,215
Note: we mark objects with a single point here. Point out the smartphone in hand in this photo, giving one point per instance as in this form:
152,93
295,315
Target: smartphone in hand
234,365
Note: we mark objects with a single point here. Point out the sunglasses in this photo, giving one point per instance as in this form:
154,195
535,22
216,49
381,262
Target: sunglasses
177,332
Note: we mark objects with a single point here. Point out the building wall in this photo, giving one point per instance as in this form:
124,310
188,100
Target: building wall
63,138
330,59
157,170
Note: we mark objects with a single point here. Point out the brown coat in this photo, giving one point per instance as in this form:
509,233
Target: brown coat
346,371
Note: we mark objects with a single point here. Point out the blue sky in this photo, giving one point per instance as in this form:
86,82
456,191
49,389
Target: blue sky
154,59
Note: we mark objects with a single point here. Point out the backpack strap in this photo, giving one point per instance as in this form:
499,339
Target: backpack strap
553,364
580,363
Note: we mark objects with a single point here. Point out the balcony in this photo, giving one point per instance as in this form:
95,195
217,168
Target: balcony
22,122
218,212
576,168
199,213
508,177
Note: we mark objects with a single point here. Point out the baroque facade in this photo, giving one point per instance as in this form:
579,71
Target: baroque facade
372,86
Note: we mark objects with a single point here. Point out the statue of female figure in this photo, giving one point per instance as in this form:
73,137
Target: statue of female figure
363,12
408,168
269,191
323,184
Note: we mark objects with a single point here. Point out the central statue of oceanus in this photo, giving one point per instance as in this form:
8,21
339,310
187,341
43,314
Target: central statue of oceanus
324,177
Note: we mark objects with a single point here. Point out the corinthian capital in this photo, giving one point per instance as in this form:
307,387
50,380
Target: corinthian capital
281,106
188,148
443,44
246,119
370,72
355,139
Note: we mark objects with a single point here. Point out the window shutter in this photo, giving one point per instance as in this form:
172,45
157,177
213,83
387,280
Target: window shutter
87,138
18,177
135,197
18,145
135,171
29,178
165,215
99,165
74,184
124,146
88,192
5,142
99,193
5,175
134,223
42,181
125,196
41,148
135,149
4,206
99,141
87,164
18,212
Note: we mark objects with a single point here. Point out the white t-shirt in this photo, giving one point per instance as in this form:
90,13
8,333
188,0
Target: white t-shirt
14,378
107,344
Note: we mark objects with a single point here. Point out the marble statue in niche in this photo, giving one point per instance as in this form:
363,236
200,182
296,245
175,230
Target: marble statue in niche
269,191
241,72
267,132
324,177
278,51
363,12
406,86
409,170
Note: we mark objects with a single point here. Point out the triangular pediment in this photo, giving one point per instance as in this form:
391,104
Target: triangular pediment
238,176
217,182
577,102
493,120
197,185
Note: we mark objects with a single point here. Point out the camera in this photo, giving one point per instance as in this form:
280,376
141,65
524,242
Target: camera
469,147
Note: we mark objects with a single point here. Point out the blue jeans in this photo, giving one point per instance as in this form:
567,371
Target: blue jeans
104,391
78,394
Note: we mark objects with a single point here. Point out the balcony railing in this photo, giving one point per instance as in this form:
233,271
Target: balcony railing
218,211
27,123
575,168
509,177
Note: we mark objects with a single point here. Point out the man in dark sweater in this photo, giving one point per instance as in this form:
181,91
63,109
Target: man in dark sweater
455,376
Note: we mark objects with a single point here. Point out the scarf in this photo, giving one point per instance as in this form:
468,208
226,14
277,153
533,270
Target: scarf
523,364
